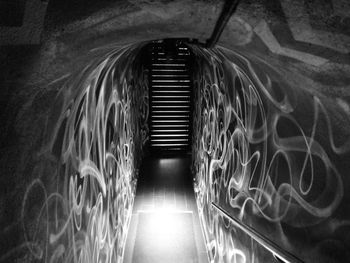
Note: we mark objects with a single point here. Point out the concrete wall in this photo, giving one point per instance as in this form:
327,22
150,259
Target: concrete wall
272,155
302,46
74,187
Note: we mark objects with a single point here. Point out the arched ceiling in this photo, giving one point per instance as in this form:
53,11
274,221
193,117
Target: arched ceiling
312,36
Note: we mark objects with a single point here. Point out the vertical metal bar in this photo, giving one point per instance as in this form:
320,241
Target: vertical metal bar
229,8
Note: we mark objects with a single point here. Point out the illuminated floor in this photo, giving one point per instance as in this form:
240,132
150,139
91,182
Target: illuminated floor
165,225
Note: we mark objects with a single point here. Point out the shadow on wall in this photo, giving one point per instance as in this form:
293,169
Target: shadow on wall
272,155
78,207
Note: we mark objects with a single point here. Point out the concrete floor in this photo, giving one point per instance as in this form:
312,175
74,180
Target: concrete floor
165,225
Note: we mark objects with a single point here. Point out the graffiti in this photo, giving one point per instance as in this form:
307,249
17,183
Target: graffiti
263,152
79,207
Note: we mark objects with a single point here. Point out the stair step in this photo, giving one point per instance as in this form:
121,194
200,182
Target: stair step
170,97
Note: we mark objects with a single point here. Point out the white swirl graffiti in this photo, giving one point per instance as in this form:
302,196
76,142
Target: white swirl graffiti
79,207
260,156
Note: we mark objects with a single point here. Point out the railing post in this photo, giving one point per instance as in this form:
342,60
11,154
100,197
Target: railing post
229,8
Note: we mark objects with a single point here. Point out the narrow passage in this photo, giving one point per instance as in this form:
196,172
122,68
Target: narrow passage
165,227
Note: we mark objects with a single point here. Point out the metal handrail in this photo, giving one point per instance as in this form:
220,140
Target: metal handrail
276,250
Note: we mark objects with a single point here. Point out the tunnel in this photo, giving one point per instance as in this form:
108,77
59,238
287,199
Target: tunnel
175,131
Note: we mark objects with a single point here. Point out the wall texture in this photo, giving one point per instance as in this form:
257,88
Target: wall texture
303,48
80,182
272,155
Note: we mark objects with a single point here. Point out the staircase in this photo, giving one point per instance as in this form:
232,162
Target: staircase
170,97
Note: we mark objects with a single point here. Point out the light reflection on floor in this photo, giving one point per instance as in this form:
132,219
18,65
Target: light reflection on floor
165,225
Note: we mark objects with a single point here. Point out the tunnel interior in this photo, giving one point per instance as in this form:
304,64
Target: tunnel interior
127,137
